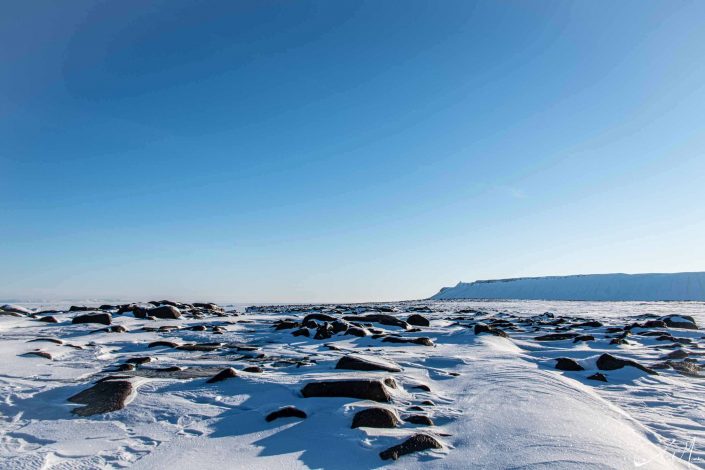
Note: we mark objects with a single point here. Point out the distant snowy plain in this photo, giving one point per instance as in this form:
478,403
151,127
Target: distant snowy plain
494,402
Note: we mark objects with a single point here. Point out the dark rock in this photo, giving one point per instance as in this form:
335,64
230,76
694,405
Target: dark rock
584,338
686,367
208,306
102,397
378,318
598,376
302,332
556,337
46,340
395,339
375,418
613,329
323,332
418,320
390,382
286,412
564,363
363,363
339,326
422,420
126,367
482,328
654,324
356,331
589,324
253,369
222,375
102,318
115,329
168,344
677,354
76,308
428,403
609,362
680,321
201,347
415,408
318,317
285,325
416,443
363,389
423,387
48,319
43,354
198,328
619,341
169,312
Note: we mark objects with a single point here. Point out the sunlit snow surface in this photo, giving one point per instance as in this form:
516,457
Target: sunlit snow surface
497,402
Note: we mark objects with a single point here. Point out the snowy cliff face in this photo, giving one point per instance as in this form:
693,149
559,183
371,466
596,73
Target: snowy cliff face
676,286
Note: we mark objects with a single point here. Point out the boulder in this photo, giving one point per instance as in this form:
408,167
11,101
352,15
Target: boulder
253,369
374,390
375,418
396,339
102,318
169,312
564,363
556,337
418,320
599,377
416,443
48,319
318,317
302,332
422,420
103,397
378,318
609,362
356,331
482,328
167,344
286,412
224,374
353,362
680,321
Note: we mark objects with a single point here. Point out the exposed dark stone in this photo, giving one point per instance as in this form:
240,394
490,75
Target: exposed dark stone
613,329
198,328
201,347
598,376
422,420
416,443
285,325
415,408
323,332
680,321
46,340
286,412
169,312
363,363
302,332
654,324
363,389
48,319
378,318
395,339
609,362
168,344
102,397
43,354
253,369
356,331
428,403
126,367
102,318
390,382
482,328
565,363
423,387
677,354
139,360
418,320
318,317
339,326
619,341
114,329
222,375
208,306
77,308
375,418
686,367
584,338
556,337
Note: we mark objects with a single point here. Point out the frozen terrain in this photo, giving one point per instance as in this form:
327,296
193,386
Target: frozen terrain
482,384
609,287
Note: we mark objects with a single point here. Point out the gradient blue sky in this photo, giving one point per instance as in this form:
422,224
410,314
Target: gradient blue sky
345,151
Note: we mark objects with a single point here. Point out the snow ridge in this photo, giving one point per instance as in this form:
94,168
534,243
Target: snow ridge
608,287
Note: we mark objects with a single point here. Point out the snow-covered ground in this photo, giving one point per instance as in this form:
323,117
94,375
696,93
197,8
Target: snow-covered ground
604,287
488,400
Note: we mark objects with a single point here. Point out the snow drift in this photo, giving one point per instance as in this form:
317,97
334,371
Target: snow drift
646,287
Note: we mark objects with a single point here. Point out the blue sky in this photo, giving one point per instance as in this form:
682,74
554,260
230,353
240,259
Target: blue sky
345,151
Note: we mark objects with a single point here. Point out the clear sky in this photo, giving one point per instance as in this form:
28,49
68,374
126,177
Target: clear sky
345,151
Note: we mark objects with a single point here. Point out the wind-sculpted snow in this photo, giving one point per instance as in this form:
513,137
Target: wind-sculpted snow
606,287
406,385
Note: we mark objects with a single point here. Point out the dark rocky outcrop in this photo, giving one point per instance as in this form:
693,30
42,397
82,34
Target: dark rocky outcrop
609,362
285,325
680,321
302,332
102,318
589,324
378,318
598,376
416,443
418,320
567,364
43,354
356,331
421,420
577,339
103,397
374,390
556,337
396,339
375,418
318,317
224,374
168,312
364,363
482,328
48,319
286,412
253,369
167,344
139,360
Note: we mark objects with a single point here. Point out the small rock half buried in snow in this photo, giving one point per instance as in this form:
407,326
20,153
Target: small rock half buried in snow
375,418
609,362
103,397
102,318
365,363
286,412
363,389
416,443
224,374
